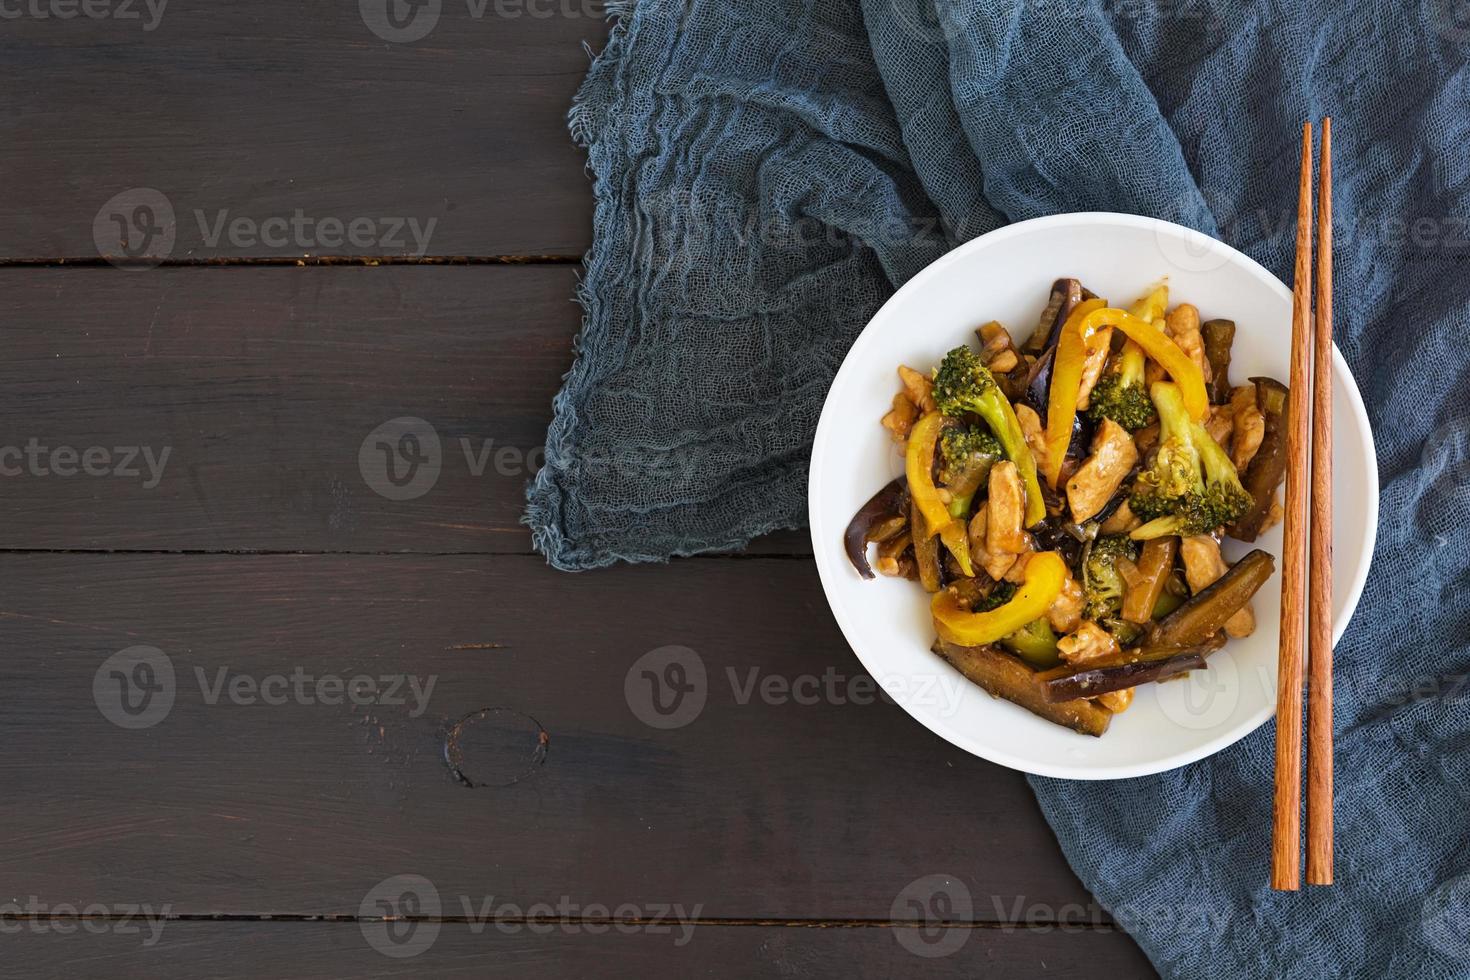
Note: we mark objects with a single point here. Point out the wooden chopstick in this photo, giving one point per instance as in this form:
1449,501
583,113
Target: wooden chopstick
1286,841
1319,614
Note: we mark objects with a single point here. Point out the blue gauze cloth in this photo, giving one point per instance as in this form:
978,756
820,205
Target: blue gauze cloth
768,171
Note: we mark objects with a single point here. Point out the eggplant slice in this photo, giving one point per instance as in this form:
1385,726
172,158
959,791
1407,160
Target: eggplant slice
1005,676
886,503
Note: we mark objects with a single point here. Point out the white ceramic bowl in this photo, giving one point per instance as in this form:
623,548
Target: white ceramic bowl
1006,276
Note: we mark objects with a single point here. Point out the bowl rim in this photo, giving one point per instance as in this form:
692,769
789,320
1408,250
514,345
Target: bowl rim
917,283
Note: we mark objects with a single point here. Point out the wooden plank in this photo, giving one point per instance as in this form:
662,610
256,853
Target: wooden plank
793,791
253,112
263,385
323,950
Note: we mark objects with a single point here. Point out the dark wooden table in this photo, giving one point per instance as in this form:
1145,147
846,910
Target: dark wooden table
216,761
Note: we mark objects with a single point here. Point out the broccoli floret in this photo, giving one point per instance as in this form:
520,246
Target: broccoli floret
965,457
957,445
1003,593
962,386
1191,487
1119,395
1174,475
1102,583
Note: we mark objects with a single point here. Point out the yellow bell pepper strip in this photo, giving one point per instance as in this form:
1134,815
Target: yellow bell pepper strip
1079,335
1181,367
1066,382
957,540
934,512
919,468
1046,574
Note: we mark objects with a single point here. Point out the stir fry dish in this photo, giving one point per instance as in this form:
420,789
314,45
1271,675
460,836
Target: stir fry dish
1063,501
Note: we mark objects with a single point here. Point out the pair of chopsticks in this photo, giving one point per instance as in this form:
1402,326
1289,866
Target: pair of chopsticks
1301,575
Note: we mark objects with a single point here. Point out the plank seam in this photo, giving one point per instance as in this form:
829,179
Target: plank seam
1031,924
288,261
266,553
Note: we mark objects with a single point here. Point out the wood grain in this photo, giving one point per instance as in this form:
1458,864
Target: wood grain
263,385
795,792
316,951
1286,841
1319,610
253,112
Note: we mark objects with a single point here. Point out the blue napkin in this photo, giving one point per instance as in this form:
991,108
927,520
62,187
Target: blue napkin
768,171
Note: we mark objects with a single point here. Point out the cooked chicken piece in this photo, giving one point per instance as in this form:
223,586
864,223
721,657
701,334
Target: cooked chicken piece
919,388
995,565
1095,482
1220,424
1035,434
1182,324
1203,564
1088,641
1121,521
900,421
1250,426
1016,574
997,350
1066,612
1116,701
1092,367
1004,534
